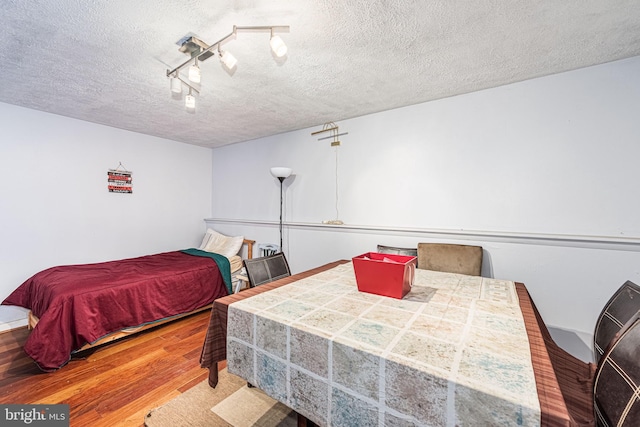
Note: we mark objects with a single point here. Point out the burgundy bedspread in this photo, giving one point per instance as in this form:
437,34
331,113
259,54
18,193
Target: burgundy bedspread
78,304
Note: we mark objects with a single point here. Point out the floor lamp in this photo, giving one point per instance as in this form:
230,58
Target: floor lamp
282,174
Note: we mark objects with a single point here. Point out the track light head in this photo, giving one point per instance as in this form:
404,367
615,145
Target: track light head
228,59
176,85
190,102
194,72
277,46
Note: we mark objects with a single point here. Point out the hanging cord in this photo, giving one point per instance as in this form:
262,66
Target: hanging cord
337,213
333,128
335,221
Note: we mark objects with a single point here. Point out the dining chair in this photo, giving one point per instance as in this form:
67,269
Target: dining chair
622,305
617,379
383,249
266,269
450,258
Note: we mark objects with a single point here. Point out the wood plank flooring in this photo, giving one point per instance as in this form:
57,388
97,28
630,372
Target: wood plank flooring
113,385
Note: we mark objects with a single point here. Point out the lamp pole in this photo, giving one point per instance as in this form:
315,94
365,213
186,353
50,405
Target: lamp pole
281,179
281,173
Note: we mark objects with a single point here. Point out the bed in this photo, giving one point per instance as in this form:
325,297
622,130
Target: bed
77,307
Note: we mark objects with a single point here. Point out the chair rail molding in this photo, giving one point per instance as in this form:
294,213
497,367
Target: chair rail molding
569,240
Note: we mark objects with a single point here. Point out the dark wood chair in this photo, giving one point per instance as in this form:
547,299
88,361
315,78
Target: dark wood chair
450,258
621,307
617,379
383,249
266,269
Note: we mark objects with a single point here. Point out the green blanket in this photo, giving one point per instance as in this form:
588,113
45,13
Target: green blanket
221,260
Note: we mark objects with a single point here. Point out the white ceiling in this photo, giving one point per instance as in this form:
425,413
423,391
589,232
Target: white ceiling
106,61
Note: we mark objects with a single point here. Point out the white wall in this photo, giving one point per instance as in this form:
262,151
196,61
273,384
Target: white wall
556,155
55,208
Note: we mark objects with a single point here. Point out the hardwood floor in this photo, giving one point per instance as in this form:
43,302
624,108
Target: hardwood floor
114,385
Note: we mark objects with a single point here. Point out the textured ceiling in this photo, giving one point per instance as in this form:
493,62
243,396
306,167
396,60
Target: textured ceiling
106,61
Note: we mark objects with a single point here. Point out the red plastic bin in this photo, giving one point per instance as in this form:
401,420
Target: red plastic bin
385,274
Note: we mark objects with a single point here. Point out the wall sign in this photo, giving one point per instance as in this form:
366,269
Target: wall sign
119,180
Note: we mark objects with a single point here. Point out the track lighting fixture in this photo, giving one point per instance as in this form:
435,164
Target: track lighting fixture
200,51
277,46
227,59
176,85
190,101
194,72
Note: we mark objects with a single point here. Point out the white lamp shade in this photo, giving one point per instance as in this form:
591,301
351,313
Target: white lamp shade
281,172
228,60
190,102
278,47
194,73
176,85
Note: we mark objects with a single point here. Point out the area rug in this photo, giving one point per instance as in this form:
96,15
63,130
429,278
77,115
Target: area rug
231,403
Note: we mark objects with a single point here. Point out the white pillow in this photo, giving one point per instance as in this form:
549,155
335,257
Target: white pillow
221,244
205,239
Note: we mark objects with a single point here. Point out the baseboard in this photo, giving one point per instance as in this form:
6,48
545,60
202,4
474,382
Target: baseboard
15,324
12,317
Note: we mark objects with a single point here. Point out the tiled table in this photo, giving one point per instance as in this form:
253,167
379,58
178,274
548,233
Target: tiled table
454,351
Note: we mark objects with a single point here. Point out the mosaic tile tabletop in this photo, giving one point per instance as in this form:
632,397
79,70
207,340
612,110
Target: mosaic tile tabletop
453,352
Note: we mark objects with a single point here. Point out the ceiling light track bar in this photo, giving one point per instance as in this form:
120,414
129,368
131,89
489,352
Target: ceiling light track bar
262,28
217,44
195,57
187,84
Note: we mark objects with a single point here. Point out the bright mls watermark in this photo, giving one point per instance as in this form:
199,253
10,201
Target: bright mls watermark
34,415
